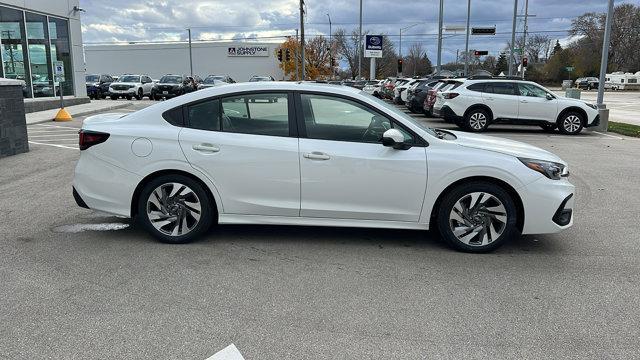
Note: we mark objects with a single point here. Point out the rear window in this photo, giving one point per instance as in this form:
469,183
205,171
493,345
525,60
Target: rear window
476,87
174,116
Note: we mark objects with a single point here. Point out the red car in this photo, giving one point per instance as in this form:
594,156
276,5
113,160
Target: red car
430,100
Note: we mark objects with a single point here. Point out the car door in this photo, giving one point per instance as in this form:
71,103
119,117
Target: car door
247,145
535,105
502,99
346,173
147,84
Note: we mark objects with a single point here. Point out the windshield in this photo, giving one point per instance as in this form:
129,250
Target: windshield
92,78
171,79
212,79
400,114
130,79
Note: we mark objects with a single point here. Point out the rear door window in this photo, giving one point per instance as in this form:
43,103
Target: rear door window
501,88
258,114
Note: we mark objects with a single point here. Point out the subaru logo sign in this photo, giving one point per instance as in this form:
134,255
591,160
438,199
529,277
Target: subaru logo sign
373,42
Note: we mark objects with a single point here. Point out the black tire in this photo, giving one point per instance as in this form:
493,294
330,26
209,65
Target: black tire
548,127
505,229
571,123
476,120
140,94
428,113
128,97
114,97
207,213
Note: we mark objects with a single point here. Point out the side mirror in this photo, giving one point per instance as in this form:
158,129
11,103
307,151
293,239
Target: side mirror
550,97
394,139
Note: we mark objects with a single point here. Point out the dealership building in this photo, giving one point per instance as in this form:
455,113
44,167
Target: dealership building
240,60
41,45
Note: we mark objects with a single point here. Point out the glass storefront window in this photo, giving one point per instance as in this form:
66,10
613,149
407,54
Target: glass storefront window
61,51
29,50
14,47
39,55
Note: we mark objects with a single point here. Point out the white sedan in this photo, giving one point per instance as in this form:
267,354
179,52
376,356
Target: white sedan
311,154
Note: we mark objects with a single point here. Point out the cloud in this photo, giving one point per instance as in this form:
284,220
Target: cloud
272,20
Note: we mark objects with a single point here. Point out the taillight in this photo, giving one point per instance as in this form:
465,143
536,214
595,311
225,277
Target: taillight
89,138
450,95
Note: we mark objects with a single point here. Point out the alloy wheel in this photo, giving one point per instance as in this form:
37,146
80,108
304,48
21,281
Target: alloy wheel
477,121
173,209
478,219
572,123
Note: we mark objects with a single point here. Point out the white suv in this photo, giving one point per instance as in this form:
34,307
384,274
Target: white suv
474,104
129,86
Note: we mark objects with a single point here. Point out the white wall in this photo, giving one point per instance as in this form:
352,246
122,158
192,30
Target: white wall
173,58
63,9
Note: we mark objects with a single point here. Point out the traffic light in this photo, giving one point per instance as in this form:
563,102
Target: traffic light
480,53
288,55
280,55
400,65
525,62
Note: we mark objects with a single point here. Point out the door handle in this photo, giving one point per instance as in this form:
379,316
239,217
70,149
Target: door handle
524,101
206,148
316,156
489,99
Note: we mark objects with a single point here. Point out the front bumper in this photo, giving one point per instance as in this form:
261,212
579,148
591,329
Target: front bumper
595,122
130,92
548,206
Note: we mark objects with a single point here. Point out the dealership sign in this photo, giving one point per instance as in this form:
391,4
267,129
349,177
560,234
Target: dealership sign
248,51
373,46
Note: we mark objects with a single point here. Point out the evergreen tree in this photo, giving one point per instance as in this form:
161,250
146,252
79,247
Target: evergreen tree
502,65
557,48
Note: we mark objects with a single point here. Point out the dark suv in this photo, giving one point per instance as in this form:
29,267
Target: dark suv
172,85
98,85
587,83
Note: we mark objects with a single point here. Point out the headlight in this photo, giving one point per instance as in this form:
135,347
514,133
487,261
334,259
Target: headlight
595,107
552,170
131,86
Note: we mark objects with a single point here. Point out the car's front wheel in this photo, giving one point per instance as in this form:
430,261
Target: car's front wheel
477,217
571,123
476,120
175,209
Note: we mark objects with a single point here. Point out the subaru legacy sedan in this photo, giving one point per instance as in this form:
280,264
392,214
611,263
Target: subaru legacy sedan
309,154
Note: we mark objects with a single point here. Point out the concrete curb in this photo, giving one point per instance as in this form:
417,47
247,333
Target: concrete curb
86,112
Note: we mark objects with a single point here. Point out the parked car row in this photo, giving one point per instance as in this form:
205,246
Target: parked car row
138,86
475,103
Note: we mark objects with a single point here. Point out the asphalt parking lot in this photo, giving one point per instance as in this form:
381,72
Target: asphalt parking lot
81,284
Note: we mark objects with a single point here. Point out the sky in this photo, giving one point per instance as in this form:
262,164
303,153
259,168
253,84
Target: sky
111,21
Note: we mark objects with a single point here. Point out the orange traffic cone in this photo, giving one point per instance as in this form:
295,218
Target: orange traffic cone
63,115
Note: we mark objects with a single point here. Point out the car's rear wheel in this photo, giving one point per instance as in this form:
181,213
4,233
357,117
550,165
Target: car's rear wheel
175,209
571,123
476,120
477,217
114,97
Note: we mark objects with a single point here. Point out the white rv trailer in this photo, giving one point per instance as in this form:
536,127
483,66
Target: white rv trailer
622,81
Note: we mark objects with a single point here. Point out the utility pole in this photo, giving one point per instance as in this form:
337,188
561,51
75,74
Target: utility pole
466,46
302,37
524,35
296,57
439,63
360,47
11,55
513,37
401,30
190,54
606,43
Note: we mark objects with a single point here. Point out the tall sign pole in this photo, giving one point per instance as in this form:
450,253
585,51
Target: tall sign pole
513,38
296,58
360,47
303,76
606,43
440,21
466,46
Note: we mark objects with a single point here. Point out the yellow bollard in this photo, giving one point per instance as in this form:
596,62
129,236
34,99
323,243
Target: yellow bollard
63,115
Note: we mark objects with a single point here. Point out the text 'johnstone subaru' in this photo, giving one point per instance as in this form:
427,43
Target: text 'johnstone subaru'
310,154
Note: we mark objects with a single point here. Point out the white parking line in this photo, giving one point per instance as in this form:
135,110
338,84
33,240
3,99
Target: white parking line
57,126
229,353
54,145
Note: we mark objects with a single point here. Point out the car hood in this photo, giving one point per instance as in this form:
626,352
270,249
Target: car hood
504,146
169,84
124,83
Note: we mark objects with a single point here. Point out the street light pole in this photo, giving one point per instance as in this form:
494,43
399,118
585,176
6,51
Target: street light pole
296,58
513,37
400,50
330,47
439,64
190,54
524,35
466,47
360,47
606,43
303,75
